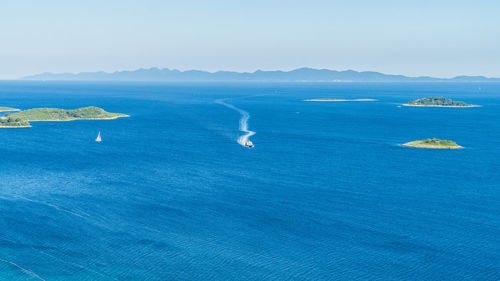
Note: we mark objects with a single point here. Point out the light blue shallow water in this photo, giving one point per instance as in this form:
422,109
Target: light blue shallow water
326,194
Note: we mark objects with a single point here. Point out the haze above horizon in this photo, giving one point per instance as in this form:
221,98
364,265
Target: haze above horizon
413,38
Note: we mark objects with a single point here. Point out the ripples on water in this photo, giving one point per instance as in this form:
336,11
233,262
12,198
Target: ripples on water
327,194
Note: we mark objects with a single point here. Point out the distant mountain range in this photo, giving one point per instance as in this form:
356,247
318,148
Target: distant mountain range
297,75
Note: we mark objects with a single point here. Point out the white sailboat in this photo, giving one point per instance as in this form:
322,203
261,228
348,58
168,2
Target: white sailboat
98,139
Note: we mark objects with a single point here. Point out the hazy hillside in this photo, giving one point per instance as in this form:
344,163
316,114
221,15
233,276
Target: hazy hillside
297,75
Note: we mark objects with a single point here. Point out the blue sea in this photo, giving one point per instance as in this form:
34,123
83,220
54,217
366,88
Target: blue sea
326,194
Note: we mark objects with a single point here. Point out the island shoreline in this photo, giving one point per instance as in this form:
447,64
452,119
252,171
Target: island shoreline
431,146
423,105
15,127
75,119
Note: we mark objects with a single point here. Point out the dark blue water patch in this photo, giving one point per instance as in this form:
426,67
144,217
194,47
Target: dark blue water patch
326,194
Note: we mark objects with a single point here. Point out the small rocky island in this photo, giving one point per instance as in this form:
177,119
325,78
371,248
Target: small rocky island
438,102
330,99
21,119
434,144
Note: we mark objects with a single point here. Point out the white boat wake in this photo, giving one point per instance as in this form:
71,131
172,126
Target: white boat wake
242,140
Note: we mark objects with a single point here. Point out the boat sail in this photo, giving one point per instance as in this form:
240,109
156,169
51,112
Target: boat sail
98,139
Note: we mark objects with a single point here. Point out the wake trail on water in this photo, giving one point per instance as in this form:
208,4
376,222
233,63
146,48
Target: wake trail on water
245,116
47,204
22,269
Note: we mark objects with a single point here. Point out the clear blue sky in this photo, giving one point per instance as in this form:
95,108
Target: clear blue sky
440,38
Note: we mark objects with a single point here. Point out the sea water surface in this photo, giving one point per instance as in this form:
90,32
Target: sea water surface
326,194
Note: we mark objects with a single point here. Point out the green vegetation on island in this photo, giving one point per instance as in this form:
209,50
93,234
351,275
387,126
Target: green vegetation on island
4,108
22,119
10,122
438,102
56,114
433,143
